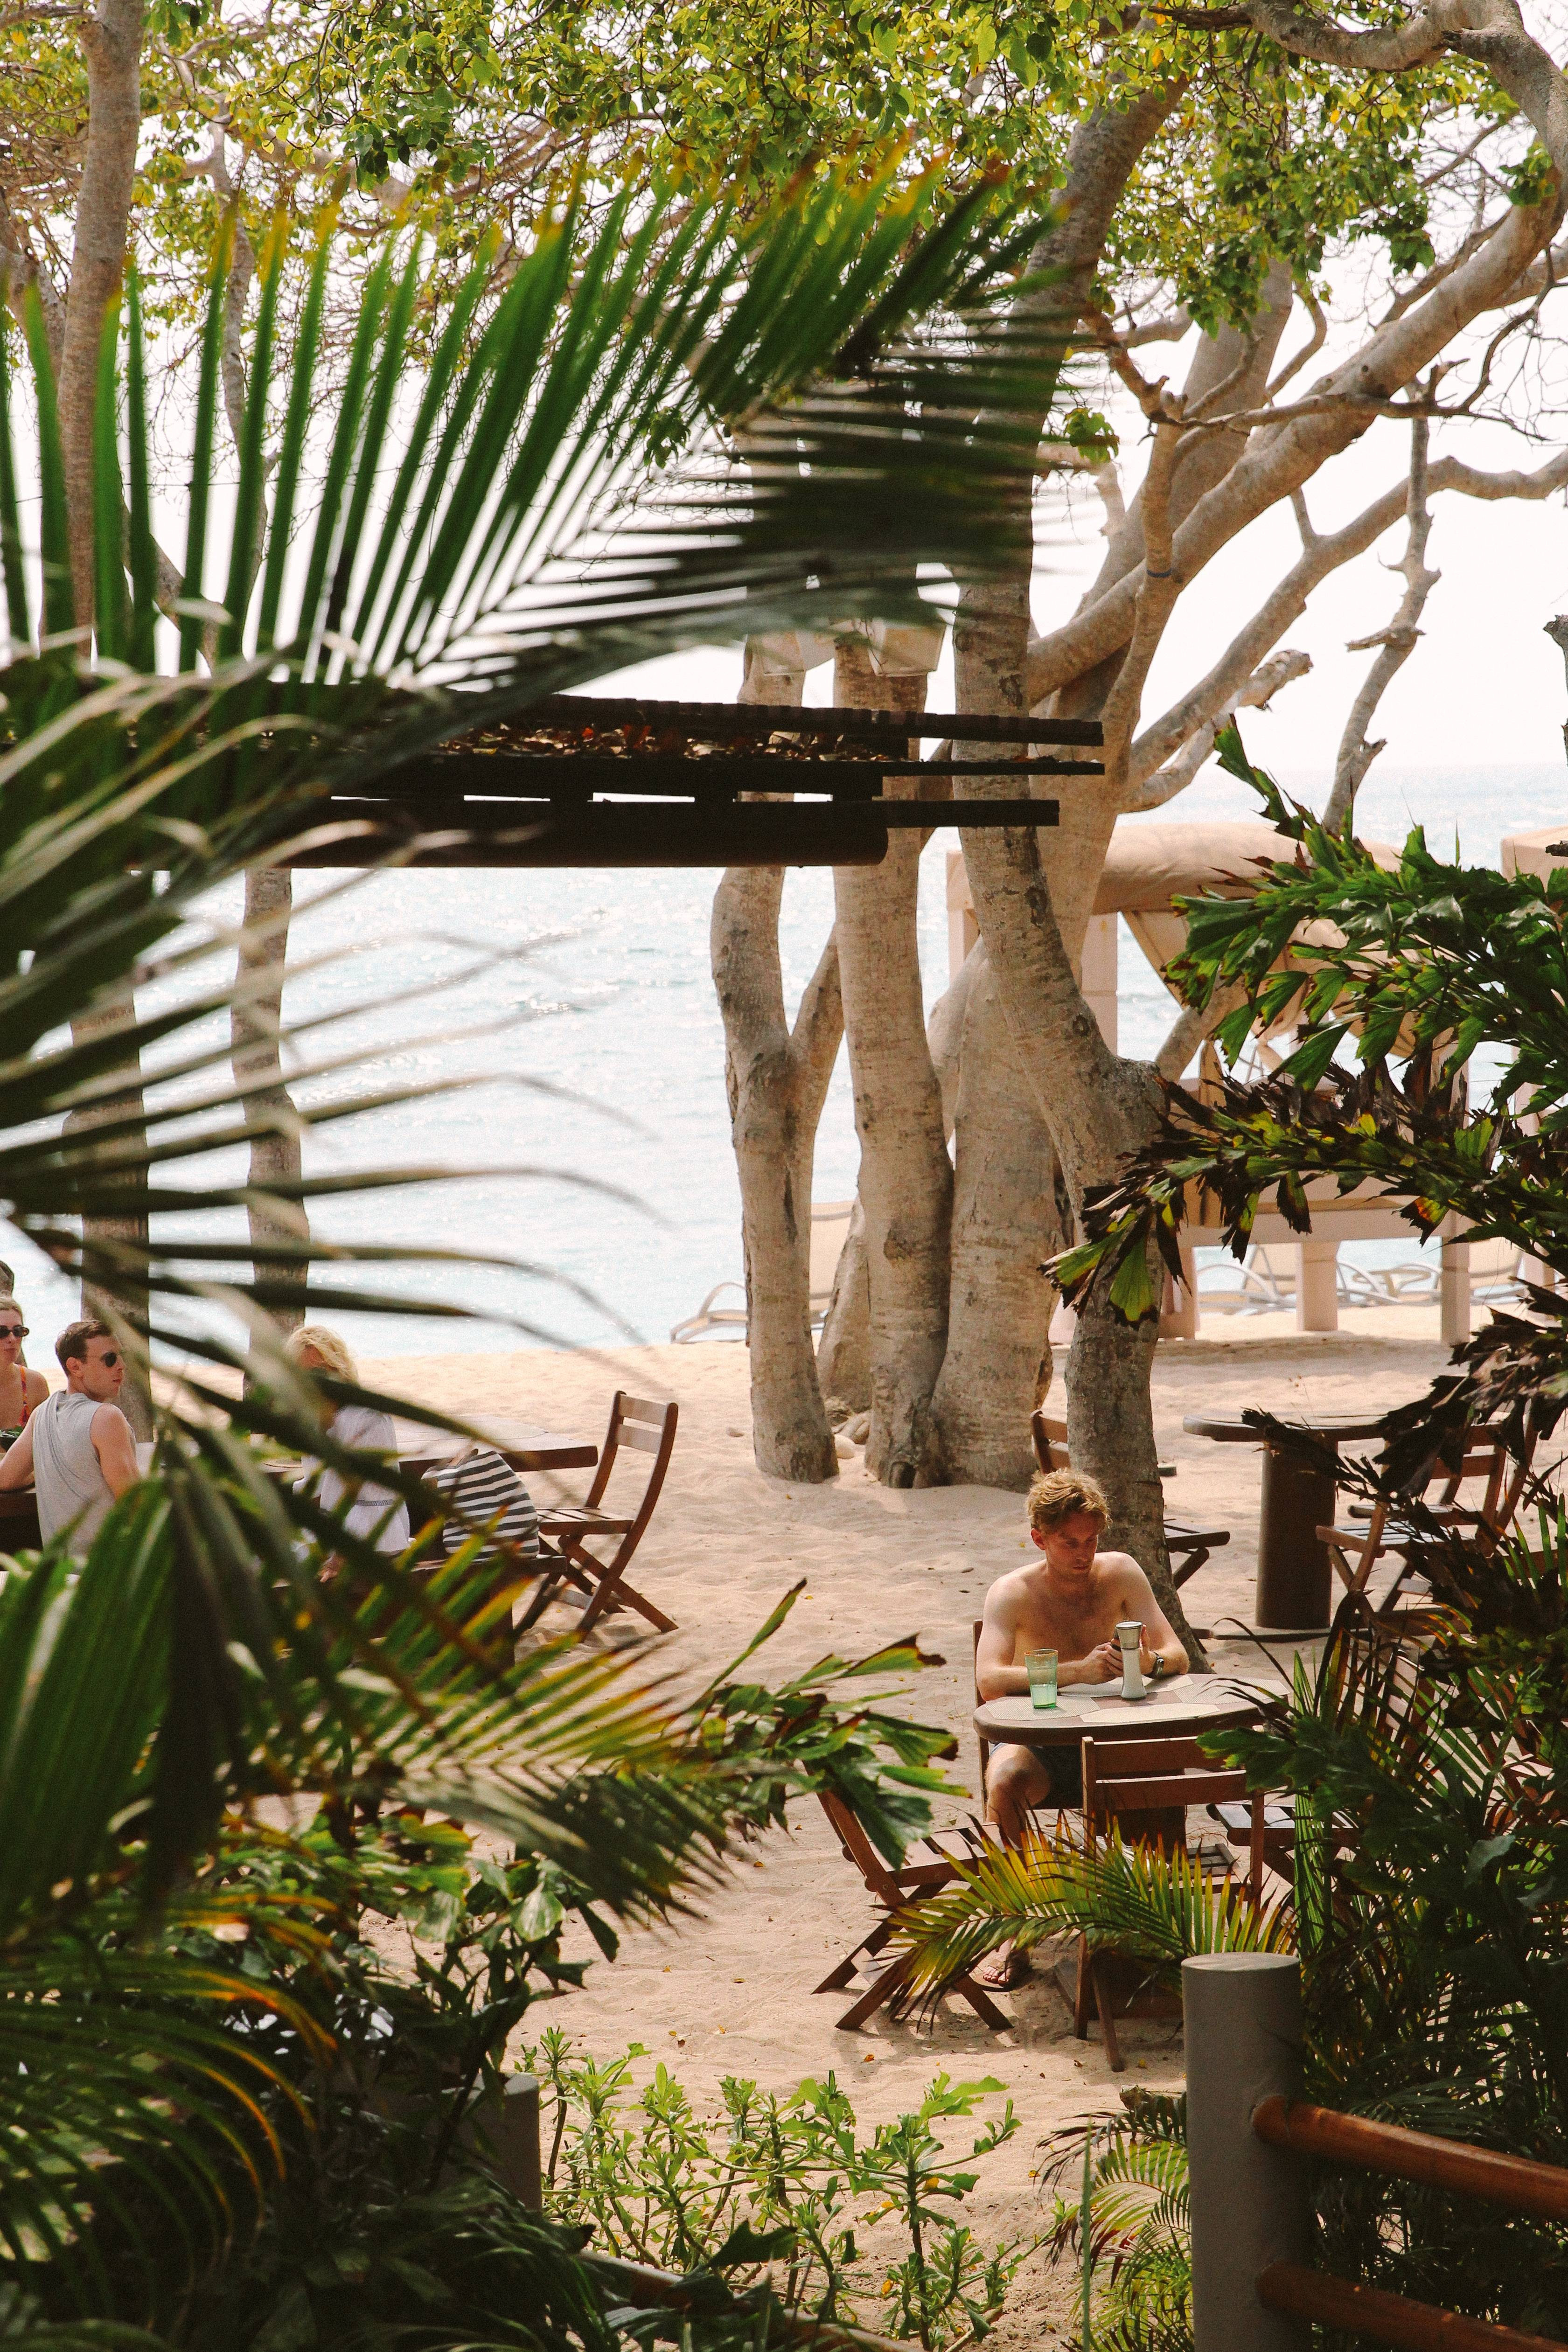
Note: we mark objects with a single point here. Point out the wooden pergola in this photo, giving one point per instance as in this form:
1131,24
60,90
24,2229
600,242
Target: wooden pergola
588,780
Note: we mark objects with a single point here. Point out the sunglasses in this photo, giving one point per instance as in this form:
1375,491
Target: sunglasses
12,1330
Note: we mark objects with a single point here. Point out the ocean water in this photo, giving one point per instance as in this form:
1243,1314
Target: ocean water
568,1056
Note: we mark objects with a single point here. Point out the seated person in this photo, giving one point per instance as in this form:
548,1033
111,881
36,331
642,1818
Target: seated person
21,1391
76,1446
1070,1600
377,1514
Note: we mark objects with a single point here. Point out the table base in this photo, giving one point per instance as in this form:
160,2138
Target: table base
1294,1577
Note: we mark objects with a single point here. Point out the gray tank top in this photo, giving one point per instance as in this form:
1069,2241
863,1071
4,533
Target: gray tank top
66,1470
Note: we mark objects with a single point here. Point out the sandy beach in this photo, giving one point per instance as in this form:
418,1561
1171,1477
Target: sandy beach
729,1991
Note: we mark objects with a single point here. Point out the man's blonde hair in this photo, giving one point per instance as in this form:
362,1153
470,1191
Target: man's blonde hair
1059,1495
332,1352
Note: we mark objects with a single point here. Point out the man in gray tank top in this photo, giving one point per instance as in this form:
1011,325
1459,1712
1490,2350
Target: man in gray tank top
78,1446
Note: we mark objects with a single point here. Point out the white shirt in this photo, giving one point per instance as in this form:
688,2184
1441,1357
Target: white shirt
359,1427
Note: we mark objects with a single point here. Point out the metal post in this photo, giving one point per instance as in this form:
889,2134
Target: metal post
1250,2204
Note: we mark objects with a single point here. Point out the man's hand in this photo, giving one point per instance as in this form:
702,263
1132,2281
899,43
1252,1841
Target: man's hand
1102,1664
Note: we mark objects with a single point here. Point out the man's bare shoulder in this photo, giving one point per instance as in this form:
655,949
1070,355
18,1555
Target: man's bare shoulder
1009,1594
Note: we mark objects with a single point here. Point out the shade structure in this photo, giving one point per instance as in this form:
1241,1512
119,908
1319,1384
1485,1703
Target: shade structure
590,781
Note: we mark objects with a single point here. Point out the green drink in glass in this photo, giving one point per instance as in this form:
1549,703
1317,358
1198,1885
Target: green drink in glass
1041,1668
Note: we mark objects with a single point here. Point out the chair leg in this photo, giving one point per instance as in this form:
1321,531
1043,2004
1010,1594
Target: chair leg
886,1985
1194,1560
1117,2063
867,1949
1080,1995
611,1591
981,2002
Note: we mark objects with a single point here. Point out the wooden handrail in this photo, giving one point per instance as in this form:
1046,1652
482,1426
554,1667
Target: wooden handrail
1514,2181
671,2291
1386,2318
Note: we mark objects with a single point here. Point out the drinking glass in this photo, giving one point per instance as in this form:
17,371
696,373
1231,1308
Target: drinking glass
1041,1668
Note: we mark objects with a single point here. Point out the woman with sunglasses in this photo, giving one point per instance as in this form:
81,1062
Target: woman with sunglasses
21,1391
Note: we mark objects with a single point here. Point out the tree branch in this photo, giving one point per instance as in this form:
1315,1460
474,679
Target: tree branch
1397,641
1281,669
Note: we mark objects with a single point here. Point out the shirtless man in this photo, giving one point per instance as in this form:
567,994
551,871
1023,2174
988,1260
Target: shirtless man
77,1447
1070,1602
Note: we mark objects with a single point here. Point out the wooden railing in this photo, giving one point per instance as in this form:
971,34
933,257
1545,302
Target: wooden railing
1255,2288
1514,2182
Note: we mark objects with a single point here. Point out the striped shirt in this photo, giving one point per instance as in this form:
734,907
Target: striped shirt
480,1488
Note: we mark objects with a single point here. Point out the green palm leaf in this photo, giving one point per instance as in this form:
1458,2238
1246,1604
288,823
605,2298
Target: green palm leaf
1135,1898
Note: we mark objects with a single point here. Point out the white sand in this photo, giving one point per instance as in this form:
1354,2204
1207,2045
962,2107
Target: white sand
729,1992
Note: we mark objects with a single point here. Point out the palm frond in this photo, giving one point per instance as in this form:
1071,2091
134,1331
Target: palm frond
1127,1898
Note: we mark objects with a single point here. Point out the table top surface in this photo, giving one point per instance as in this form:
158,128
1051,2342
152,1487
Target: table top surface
1229,1429
1186,1703
522,1442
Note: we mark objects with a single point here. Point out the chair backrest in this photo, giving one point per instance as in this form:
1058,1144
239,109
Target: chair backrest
640,1427
1124,1777
1049,1439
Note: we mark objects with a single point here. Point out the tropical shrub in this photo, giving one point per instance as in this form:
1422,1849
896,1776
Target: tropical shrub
783,2187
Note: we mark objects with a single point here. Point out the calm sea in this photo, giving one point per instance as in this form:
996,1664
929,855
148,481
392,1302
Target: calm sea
583,1117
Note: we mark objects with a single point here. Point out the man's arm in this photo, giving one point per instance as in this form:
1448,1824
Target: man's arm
16,1462
115,1448
1158,1642
995,1672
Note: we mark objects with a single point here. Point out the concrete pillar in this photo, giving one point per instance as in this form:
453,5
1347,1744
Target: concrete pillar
1251,2203
1316,1285
501,2130
1454,1286
1100,973
1179,1308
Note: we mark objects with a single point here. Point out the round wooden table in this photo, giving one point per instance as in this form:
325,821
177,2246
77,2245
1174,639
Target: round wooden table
1294,1578
1177,1709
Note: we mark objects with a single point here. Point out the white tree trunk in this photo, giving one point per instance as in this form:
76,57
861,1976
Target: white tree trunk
844,1351
119,1241
776,1079
906,1176
255,1023
1097,1107
1007,1220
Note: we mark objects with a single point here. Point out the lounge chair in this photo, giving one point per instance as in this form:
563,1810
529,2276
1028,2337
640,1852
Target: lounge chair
829,1231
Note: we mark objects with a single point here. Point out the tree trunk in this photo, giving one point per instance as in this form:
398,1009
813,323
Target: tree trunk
255,1021
844,1351
118,1243
1007,1220
111,44
1098,1107
776,1079
906,1176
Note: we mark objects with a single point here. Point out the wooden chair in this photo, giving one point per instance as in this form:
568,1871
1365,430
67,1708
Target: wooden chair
890,1890
1188,1546
639,1427
1126,1782
1484,1462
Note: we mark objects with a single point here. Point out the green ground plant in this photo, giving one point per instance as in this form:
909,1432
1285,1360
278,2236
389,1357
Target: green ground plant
853,2227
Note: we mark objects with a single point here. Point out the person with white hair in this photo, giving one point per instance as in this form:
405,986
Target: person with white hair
376,1514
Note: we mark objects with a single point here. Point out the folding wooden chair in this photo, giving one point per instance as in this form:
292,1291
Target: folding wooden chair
639,1427
1188,1546
1356,1550
1126,1779
891,1889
